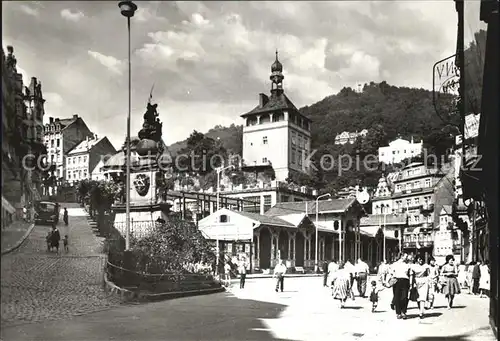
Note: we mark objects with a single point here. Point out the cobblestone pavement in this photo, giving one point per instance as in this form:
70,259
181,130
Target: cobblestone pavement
37,285
305,311
13,233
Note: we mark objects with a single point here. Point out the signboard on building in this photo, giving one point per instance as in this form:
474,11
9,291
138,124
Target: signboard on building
446,83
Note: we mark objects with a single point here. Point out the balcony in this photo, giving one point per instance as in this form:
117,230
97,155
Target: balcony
419,241
427,208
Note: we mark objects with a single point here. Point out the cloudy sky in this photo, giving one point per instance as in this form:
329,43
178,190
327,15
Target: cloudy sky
209,60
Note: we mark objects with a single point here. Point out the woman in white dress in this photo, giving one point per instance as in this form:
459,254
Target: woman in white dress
462,275
484,280
420,275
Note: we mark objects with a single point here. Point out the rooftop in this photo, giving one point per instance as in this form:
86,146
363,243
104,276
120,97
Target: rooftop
277,101
324,206
86,145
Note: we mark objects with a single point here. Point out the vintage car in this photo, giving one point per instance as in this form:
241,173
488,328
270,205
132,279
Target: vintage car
46,212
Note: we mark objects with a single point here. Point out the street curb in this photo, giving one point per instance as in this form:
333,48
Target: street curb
128,295
20,241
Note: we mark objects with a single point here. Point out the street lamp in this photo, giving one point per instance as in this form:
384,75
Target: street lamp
219,171
128,8
316,243
383,207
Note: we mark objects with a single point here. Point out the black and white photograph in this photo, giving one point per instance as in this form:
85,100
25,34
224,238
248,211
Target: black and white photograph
250,170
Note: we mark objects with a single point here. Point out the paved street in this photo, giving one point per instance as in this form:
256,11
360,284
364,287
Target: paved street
305,311
37,285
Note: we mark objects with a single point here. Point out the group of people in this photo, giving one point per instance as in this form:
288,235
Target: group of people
53,237
413,280
475,277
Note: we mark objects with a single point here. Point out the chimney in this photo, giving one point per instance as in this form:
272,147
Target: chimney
75,116
51,120
263,99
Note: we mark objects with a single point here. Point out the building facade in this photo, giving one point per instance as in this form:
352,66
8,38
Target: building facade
82,160
22,144
347,137
398,150
275,133
62,135
447,239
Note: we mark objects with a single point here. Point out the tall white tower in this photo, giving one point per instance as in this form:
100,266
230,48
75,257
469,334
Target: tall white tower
275,133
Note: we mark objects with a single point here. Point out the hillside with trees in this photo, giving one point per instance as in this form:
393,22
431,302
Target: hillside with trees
386,111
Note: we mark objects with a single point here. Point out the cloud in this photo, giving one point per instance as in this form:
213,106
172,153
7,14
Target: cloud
72,16
148,14
29,10
113,64
54,105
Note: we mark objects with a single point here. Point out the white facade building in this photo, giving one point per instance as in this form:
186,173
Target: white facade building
398,150
275,132
82,160
347,137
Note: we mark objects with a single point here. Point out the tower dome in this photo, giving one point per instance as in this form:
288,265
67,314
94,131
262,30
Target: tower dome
277,66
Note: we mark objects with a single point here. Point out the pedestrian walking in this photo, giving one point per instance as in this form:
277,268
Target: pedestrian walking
352,271
242,270
401,272
420,283
227,274
362,270
451,286
462,275
341,287
469,280
279,274
325,273
476,274
55,238
433,282
332,269
65,216
484,279
374,294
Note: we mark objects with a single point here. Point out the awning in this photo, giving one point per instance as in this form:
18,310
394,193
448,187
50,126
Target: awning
372,231
230,232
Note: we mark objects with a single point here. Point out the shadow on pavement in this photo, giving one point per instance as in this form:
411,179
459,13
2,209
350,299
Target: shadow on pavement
460,337
214,317
412,316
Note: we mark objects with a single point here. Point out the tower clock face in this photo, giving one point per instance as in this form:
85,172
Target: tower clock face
142,183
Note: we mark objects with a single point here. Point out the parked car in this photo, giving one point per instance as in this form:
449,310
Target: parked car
46,212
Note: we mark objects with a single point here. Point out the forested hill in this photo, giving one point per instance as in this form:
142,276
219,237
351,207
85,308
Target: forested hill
399,110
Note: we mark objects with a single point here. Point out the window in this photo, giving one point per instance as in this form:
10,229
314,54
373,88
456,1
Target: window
405,151
408,202
79,159
293,155
416,201
85,159
224,219
394,152
264,160
52,143
416,184
427,182
69,175
267,203
285,198
417,219
58,143
264,140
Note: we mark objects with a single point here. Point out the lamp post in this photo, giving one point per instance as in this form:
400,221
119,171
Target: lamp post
128,8
219,171
316,242
383,207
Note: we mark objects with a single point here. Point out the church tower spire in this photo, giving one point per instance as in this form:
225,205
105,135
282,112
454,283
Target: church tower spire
276,76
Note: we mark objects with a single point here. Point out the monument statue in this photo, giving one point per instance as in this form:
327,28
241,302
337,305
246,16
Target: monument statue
151,128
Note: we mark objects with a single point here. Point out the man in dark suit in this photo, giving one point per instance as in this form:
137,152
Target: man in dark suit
476,274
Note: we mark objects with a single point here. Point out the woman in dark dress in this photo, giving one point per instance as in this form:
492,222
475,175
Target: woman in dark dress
55,238
451,287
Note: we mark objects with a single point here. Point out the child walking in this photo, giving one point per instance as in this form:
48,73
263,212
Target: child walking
374,295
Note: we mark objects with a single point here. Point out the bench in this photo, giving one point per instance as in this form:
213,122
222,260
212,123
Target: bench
299,269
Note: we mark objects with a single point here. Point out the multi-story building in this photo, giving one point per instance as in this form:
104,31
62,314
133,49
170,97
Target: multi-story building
420,192
275,133
62,135
466,220
347,137
447,239
82,160
22,110
398,150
